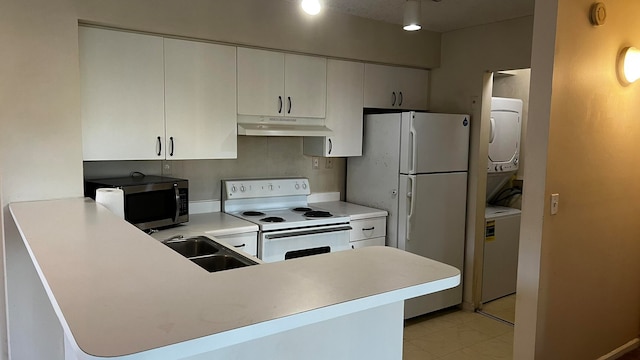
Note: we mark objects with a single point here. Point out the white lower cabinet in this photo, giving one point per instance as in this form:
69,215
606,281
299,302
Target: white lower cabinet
368,232
245,242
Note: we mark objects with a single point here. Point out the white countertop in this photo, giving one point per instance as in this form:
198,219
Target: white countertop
214,224
117,291
355,212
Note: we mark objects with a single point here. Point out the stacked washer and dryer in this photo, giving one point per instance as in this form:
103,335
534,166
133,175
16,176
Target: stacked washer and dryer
502,224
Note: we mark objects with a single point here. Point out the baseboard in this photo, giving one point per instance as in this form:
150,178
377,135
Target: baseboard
617,353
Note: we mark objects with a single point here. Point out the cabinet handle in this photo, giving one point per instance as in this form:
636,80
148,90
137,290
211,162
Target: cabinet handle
330,146
279,104
171,152
159,147
369,228
401,98
239,246
393,103
290,105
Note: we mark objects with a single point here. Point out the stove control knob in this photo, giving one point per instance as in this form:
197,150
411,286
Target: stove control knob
271,187
304,185
297,186
234,189
242,188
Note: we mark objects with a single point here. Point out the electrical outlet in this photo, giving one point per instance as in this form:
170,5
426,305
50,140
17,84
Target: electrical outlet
166,168
328,163
315,162
555,203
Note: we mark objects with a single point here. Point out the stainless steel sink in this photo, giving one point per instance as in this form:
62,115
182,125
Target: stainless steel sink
208,254
220,262
192,247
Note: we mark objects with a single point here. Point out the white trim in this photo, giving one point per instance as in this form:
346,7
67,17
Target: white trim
617,353
204,206
323,197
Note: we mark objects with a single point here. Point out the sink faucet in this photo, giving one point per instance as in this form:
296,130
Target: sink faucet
175,237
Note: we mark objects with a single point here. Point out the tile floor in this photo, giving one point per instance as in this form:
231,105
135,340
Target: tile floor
457,335
503,308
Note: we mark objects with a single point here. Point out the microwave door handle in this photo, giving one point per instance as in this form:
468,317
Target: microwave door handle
175,188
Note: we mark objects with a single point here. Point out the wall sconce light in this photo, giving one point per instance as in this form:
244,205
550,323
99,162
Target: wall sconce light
412,15
311,7
629,65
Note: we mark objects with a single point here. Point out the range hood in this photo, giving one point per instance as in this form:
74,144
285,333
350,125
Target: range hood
249,125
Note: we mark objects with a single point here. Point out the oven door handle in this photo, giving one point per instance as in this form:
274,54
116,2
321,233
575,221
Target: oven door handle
306,232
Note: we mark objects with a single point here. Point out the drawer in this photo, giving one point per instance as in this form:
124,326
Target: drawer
379,241
368,228
246,242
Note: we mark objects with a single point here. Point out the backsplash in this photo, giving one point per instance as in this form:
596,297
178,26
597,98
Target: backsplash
257,157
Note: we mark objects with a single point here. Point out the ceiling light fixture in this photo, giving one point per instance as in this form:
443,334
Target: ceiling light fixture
629,65
311,7
412,15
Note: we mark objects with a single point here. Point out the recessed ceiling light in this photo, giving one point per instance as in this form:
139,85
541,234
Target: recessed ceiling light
311,7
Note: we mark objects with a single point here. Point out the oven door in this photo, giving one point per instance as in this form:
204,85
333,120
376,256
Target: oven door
293,243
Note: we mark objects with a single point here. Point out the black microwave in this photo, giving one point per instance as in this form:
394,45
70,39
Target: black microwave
149,201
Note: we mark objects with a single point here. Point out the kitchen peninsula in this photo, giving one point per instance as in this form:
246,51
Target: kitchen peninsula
118,293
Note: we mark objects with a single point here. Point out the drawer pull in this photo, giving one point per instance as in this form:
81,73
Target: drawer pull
239,246
369,228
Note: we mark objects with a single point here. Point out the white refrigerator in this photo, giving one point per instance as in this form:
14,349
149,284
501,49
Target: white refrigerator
414,165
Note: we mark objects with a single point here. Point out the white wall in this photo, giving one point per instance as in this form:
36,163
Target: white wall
457,86
257,157
579,273
275,24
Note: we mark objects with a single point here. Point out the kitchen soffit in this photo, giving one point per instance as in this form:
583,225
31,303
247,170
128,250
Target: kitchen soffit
439,16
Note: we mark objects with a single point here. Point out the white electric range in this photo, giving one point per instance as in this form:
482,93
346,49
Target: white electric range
288,227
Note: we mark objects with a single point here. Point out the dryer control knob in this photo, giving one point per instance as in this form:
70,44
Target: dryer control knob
496,168
500,167
242,188
304,185
297,186
234,189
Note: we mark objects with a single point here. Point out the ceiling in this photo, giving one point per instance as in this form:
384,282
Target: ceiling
441,16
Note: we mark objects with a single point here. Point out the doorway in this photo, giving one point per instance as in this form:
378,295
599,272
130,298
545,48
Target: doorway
503,204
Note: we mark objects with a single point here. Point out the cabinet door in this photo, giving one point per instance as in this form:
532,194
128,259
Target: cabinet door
200,100
413,88
122,95
380,87
260,82
345,81
391,87
305,86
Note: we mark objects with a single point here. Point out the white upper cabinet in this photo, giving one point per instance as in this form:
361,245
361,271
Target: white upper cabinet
122,95
277,84
200,100
390,87
146,98
345,83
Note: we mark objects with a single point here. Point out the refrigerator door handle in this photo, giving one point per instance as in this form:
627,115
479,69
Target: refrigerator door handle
412,139
410,194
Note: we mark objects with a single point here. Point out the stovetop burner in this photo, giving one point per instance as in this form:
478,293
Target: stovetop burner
317,214
252,213
272,219
302,209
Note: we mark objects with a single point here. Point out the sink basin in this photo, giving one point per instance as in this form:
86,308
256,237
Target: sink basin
219,262
192,247
208,254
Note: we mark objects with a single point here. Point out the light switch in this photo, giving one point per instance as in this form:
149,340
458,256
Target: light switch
555,200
